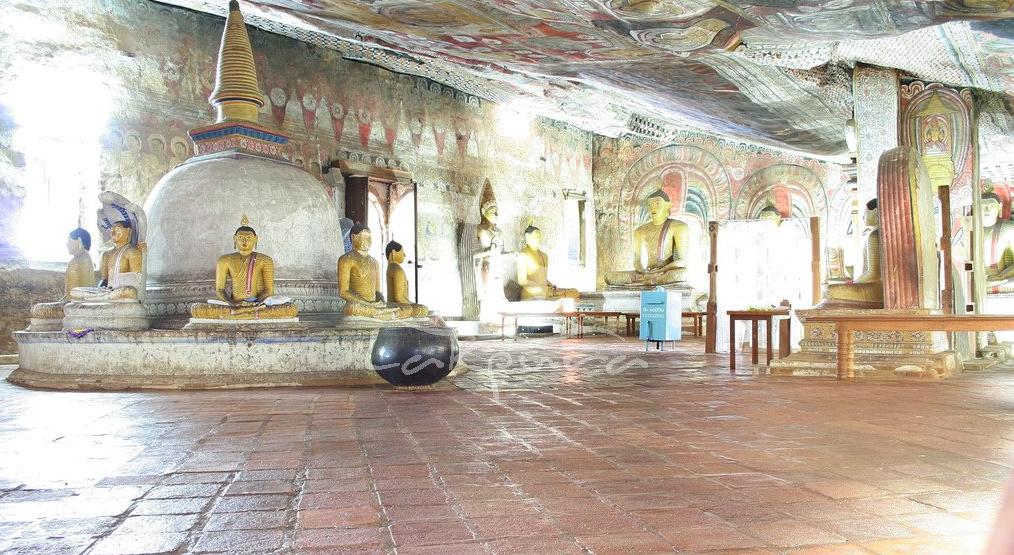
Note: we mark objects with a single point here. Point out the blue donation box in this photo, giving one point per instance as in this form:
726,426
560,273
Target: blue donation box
661,316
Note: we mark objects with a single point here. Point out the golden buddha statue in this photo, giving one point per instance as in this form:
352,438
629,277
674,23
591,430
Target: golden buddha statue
245,284
120,269
866,291
532,269
997,246
80,273
397,281
660,248
359,281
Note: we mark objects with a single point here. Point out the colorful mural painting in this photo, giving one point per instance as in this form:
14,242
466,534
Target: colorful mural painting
145,95
708,179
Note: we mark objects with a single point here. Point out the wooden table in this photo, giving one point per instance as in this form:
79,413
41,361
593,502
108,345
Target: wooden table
582,314
845,325
755,317
697,316
577,316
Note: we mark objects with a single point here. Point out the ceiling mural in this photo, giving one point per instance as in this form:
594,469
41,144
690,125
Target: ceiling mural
764,71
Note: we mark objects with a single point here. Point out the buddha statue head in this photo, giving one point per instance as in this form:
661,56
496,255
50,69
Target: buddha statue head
991,206
120,232
872,216
394,252
770,214
79,242
245,238
361,239
658,205
487,204
533,237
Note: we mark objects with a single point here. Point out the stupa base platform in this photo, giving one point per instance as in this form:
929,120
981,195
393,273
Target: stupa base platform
223,357
878,354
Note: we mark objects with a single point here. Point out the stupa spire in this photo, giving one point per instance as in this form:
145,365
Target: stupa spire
236,95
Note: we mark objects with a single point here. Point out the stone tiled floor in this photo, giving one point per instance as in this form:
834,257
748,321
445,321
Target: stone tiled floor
548,446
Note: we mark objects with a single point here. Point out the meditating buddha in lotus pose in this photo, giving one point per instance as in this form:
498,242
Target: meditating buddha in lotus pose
359,281
245,284
120,269
660,248
397,281
866,291
533,267
997,246
80,273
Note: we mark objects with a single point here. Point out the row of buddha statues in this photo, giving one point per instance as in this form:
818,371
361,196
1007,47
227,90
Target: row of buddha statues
244,279
245,289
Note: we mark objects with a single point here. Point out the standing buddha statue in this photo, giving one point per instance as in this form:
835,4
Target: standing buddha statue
866,291
245,284
532,270
660,248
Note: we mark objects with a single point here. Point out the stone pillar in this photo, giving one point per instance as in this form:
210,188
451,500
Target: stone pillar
875,96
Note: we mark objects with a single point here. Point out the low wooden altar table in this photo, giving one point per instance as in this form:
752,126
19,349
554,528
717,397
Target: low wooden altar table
845,325
696,315
755,317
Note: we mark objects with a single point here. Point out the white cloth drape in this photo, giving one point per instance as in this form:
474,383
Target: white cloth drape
761,263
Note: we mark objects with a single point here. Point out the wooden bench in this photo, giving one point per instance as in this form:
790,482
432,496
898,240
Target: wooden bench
845,325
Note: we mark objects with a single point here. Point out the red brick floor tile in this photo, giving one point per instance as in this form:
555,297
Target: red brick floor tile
197,478
364,540
240,503
844,489
867,529
411,513
711,538
477,509
430,532
251,487
469,548
182,491
156,524
238,541
622,544
251,520
789,533
395,497
131,542
170,506
537,546
686,517
511,526
67,545
331,500
344,517
834,549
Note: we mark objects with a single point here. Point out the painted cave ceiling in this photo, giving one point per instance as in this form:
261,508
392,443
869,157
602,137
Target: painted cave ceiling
775,72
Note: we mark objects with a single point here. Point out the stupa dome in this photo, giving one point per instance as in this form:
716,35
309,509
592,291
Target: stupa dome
241,169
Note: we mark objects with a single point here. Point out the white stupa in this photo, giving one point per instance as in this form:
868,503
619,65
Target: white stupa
240,168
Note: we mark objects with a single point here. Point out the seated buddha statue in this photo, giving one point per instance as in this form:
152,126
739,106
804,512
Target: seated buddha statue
397,281
660,248
80,273
245,284
359,281
866,291
120,269
532,269
997,246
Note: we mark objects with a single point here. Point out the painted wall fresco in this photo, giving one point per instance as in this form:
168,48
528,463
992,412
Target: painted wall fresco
707,179
141,74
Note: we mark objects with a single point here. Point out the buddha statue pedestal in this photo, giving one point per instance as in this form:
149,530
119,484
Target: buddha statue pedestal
114,315
879,354
46,317
909,286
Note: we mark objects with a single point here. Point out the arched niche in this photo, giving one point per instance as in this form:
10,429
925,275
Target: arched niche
796,191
